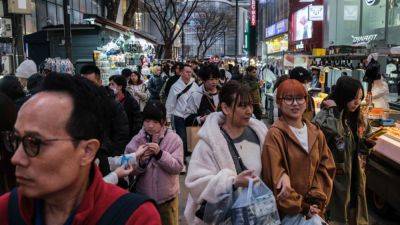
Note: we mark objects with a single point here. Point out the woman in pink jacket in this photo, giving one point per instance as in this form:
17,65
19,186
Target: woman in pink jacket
160,165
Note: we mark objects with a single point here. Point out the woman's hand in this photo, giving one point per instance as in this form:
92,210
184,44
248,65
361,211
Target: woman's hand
123,171
139,152
154,147
242,179
284,186
145,157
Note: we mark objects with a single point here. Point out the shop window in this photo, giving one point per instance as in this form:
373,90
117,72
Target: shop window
75,4
82,5
373,19
30,20
52,13
60,15
41,14
394,13
88,6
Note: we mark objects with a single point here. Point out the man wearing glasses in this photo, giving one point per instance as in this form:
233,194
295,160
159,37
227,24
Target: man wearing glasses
56,138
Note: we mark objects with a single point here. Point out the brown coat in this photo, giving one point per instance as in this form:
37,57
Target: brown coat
311,174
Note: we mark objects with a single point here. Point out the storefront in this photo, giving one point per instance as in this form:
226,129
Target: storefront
306,26
277,43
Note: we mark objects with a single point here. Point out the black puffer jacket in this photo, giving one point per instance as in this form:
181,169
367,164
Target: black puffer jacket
155,85
132,110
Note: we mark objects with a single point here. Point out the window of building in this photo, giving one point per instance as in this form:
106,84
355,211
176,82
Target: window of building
373,19
30,20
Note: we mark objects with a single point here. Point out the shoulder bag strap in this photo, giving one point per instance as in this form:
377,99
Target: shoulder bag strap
121,210
14,215
237,160
184,91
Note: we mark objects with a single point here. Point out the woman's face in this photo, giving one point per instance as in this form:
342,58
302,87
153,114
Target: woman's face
239,116
152,127
292,106
355,103
134,78
115,87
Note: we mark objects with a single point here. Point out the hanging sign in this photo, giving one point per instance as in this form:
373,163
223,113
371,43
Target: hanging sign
253,13
364,39
316,13
371,2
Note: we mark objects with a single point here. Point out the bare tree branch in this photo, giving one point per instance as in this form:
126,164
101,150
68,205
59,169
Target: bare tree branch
211,24
170,16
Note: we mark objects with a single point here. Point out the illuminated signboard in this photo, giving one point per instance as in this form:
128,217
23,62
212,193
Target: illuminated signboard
316,13
277,28
253,13
303,27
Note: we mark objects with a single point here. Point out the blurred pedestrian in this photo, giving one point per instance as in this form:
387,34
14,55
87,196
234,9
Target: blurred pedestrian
304,76
131,106
25,70
138,89
252,81
155,84
10,86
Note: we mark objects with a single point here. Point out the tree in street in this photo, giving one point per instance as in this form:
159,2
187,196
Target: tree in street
129,17
170,16
211,25
112,9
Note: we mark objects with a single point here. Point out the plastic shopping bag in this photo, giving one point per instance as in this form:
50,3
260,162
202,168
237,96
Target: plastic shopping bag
218,212
300,219
255,205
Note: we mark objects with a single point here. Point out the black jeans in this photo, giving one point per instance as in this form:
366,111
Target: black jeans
180,128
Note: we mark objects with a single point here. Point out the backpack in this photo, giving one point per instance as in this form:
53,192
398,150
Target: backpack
117,213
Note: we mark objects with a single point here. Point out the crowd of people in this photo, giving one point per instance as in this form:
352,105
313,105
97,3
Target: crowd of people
81,152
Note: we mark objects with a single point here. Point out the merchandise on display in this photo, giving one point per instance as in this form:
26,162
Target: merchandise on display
126,51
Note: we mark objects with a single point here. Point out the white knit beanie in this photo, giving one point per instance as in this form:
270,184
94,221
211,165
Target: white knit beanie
26,69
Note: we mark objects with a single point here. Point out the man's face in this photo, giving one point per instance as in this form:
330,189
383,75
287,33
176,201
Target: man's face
58,165
187,72
93,77
158,70
211,84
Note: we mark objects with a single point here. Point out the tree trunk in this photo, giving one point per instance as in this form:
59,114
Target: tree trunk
168,50
129,17
112,9
198,51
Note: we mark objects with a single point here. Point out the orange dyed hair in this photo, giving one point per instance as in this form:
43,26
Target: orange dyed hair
290,87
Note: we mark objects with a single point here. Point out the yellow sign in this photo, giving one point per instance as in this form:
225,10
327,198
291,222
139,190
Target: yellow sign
319,52
278,44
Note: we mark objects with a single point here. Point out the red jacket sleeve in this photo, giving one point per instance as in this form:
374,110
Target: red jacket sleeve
4,209
146,214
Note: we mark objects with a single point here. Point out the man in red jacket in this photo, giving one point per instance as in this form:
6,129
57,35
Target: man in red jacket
57,135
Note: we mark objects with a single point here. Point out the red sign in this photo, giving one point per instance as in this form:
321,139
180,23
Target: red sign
253,13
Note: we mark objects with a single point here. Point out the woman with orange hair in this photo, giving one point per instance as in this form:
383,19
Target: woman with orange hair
296,150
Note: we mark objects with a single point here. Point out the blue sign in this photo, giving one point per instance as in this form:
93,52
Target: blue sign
277,28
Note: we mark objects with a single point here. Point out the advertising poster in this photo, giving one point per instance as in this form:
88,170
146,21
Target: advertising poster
303,27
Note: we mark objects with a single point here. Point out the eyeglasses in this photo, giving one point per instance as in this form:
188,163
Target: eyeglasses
290,100
31,145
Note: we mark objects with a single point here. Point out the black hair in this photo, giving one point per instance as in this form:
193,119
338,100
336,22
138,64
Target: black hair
126,73
346,90
208,72
301,74
34,82
180,65
165,68
222,74
372,73
8,113
139,75
234,93
120,81
155,110
250,68
11,87
90,68
89,113
279,81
